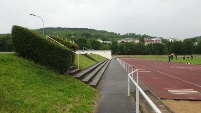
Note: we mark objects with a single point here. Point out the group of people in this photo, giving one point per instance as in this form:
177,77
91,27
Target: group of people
170,57
187,57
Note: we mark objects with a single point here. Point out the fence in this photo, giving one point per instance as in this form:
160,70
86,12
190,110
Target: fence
129,69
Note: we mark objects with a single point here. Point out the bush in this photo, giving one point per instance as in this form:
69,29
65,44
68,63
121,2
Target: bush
31,45
68,44
6,43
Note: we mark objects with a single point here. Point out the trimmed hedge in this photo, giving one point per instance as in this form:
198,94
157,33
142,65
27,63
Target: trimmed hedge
68,44
31,45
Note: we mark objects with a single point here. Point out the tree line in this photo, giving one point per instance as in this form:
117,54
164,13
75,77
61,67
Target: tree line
87,38
178,47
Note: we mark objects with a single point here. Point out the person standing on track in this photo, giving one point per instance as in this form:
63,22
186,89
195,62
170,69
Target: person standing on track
175,56
184,57
169,58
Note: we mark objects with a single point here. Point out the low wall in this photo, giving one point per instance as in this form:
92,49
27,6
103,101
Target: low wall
104,53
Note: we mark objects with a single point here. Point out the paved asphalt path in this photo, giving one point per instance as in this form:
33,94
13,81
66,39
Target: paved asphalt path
113,90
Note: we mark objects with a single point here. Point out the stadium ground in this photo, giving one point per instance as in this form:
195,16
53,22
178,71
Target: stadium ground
172,82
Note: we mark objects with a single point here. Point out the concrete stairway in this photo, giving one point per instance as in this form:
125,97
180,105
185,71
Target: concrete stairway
91,75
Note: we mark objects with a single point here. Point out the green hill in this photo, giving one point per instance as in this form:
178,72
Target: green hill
29,87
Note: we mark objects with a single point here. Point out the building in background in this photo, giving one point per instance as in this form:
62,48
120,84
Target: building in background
172,39
104,42
134,40
152,41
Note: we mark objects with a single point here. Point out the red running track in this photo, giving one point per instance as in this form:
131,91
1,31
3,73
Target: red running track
169,80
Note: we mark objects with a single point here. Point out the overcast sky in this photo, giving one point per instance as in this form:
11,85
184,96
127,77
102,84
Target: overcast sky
162,18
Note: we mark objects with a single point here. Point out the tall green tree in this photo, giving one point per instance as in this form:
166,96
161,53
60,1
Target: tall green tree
96,45
81,42
198,47
6,43
114,47
177,47
126,48
155,49
188,46
141,48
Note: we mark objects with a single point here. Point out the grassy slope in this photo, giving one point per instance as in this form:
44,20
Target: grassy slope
28,87
84,61
97,57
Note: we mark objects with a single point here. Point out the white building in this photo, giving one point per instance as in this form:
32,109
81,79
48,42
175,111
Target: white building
152,41
135,40
172,39
104,42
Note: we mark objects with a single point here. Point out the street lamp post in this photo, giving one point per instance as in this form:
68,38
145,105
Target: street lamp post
41,19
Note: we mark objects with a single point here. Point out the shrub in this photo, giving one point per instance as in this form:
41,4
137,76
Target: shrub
68,44
31,45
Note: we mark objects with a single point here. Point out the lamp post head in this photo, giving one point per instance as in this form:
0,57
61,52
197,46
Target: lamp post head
32,14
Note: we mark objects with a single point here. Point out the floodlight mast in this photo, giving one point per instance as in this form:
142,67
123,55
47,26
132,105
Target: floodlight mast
41,19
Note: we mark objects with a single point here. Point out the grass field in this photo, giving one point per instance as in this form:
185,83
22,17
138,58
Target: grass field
195,60
84,62
28,87
97,57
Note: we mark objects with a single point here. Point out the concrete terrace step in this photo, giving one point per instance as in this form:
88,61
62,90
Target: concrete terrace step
83,73
74,71
99,75
91,75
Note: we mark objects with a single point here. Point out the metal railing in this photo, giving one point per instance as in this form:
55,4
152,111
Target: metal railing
127,66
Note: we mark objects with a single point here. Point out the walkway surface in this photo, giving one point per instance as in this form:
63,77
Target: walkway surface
114,92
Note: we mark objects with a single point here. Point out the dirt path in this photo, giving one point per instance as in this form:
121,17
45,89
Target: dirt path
184,106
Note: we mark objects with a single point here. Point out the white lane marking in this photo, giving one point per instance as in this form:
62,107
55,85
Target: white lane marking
145,71
183,91
141,69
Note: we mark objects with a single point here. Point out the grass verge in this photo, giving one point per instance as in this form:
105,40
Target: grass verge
195,60
28,87
97,57
84,62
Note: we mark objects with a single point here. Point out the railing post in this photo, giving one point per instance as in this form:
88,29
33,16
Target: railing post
78,60
126,66
128,69
128,86
137,78
132,71
137,96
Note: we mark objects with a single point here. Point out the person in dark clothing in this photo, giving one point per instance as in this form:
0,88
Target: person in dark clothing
176,56
191,56
169,58
184,57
